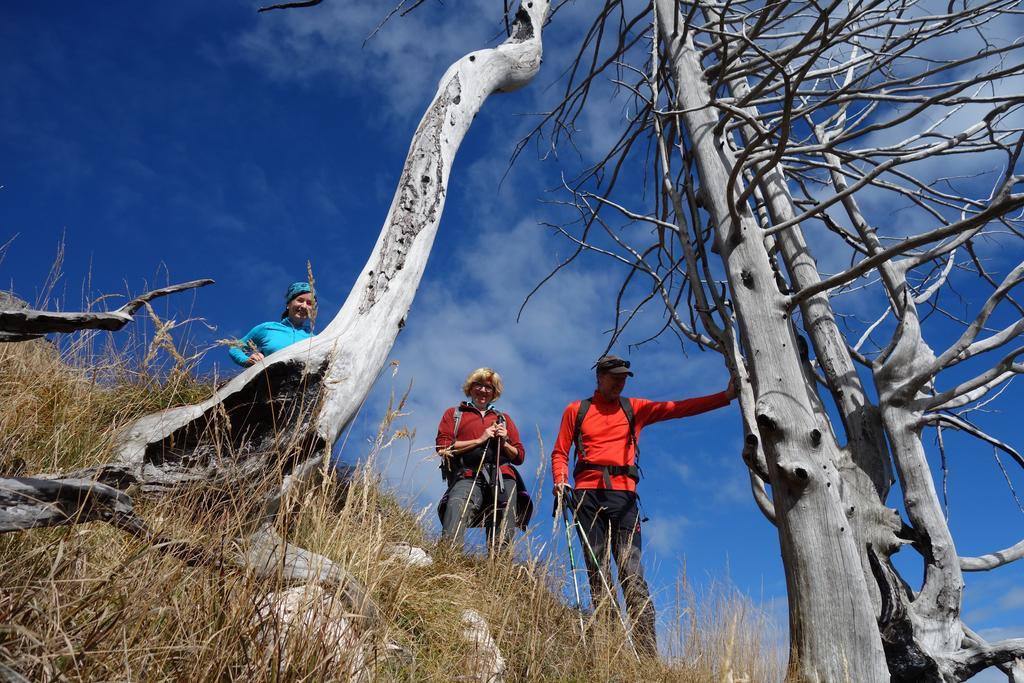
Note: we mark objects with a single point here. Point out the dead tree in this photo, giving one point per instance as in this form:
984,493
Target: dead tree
279,419
775,128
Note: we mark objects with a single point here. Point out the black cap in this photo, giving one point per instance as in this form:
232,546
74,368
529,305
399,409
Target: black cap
613,365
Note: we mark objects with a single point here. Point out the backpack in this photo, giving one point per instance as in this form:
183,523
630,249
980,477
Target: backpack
631,471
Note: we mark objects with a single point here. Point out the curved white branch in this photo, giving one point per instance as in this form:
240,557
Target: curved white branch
983,563
974,394
347,356
939,281
1003,370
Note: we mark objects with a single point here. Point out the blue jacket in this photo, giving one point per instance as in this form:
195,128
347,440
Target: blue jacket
268,338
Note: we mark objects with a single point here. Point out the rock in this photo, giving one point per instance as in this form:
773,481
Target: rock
409,554
291,618
485,661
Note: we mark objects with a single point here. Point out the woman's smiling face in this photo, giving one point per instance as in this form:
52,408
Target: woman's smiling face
481,393
301,308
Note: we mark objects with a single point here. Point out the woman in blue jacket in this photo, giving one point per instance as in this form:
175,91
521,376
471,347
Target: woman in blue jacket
296,324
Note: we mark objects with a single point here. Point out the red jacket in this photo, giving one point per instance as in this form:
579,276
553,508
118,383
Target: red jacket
472,426
606,434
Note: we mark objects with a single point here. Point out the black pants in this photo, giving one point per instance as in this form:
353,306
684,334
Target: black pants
612,518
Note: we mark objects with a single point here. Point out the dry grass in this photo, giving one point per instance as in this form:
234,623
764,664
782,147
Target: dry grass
87,603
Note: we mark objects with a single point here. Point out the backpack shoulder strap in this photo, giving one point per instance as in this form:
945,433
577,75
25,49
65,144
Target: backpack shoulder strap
457,416
577,434
627,408
446,462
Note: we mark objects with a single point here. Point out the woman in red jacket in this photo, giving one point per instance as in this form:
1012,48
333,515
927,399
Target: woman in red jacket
480,446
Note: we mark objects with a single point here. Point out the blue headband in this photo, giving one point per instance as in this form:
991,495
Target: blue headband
295,289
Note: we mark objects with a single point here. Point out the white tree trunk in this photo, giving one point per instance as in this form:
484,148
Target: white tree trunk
832,625
335,370
865,462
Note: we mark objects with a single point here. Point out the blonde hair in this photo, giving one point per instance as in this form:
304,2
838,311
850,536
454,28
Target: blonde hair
481,376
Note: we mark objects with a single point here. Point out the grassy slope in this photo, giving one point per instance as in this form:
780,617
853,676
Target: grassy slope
86,603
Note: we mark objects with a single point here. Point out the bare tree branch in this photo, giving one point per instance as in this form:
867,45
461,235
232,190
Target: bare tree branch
1003,370
969,661
1006,202
290,5
983,563
31,323
964,425
965,347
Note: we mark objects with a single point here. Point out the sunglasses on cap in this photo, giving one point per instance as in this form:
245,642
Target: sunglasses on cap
613,364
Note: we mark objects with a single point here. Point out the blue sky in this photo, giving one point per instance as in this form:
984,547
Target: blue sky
194,139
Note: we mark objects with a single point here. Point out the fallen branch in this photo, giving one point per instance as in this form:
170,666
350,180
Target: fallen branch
30,503
24,324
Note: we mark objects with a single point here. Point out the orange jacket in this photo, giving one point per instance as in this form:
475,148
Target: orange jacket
606,434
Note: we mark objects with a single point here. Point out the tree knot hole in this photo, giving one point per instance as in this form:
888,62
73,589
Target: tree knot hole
765,422
747,278
749,448
815,438
797,472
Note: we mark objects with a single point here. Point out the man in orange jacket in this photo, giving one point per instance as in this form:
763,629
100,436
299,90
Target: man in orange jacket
604,429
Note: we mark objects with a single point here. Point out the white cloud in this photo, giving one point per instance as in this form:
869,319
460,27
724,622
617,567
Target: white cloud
399,65
994,605
466,319
679,468
664,534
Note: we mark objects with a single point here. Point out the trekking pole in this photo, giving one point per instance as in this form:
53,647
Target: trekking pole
497,457
585,542
572,565
497,466
498,485
472,488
